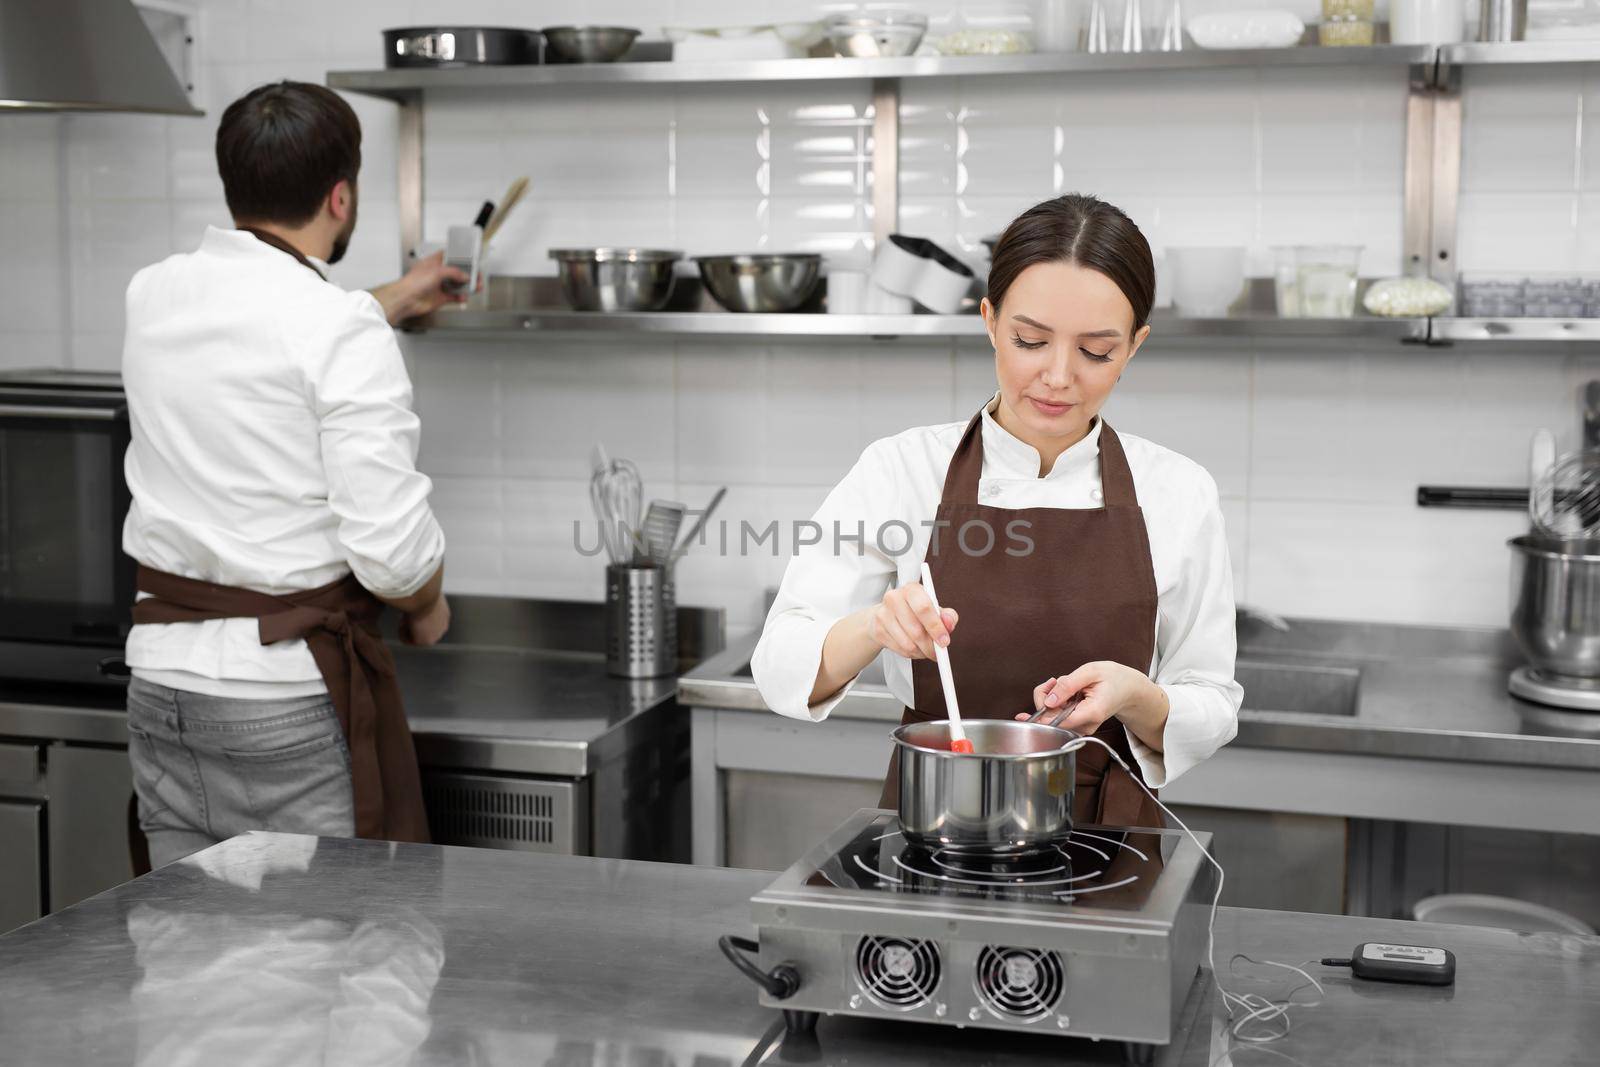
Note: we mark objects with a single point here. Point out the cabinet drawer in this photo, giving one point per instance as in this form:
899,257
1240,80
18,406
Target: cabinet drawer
20,768
22,845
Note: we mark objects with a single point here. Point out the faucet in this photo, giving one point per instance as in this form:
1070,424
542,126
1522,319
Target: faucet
1266,618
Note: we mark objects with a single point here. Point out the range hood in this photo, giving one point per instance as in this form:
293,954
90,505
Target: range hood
83,55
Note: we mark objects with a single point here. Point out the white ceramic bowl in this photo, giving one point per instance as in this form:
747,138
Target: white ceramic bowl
1246,29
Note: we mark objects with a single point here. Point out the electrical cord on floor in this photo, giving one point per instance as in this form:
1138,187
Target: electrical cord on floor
781,982
1252,1017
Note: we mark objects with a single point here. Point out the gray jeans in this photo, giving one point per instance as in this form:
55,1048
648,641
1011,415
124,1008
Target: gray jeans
206,768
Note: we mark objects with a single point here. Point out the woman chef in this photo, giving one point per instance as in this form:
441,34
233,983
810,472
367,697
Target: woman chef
1088,569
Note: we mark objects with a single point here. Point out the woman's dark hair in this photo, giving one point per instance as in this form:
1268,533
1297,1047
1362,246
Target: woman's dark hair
282,147
1077,229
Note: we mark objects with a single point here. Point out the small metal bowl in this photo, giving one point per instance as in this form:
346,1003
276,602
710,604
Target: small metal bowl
873,32
589,44
761,283
616,279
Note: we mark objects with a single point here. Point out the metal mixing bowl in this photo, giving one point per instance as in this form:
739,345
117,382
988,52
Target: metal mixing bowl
766,282
1555,604
616,279
1012,793
589,44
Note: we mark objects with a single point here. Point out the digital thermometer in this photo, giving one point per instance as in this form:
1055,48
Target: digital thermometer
1378,961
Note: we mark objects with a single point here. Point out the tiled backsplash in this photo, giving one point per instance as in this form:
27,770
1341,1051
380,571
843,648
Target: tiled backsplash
1317,446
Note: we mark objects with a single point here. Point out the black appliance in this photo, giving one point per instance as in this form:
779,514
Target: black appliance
66,586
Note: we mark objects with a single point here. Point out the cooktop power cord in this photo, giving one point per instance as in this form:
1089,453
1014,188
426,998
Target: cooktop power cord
1251,1017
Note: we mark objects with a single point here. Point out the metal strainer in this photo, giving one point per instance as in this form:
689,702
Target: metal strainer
1565,501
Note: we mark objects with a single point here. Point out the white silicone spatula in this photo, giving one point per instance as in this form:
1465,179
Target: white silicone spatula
958,736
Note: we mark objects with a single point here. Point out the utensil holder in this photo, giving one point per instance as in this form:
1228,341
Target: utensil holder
641,621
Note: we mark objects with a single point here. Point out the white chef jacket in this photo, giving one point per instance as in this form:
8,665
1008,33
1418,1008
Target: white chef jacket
274,447
897,484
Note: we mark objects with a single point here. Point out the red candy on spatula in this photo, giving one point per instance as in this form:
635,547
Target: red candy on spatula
961,745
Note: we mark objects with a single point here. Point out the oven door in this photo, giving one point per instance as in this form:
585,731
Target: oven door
64,578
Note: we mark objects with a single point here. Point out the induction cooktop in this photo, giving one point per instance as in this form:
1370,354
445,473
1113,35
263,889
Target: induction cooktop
1100,935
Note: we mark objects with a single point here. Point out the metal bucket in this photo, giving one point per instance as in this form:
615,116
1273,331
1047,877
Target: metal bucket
1555,604
1013,793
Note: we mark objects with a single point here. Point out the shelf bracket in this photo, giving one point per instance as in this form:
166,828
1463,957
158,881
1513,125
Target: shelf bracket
885,159
1432,171
1418,203
408,180
1446,172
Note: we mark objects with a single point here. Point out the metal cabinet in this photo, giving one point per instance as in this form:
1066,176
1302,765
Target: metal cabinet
22,864
63,825
771,819
21,875
89,789
1281,861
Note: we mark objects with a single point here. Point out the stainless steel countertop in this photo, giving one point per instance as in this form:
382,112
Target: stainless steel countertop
1425,692
517,710
276,949
506,709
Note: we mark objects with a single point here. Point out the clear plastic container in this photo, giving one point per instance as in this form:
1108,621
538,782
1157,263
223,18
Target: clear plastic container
1557,297
1491,297
1285,283
988,28
1058,25
1325,280
1591,299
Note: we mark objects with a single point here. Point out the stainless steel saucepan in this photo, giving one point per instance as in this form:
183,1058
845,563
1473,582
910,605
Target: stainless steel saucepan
1013,793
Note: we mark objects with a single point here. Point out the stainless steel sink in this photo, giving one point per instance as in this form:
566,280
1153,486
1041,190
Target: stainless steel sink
1303,688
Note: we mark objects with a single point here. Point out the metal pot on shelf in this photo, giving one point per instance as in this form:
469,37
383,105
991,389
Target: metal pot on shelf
1013,793
461,46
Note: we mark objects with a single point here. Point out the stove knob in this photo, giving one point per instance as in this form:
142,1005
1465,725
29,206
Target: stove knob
1063,1022
974,1014
941,1010
855,1001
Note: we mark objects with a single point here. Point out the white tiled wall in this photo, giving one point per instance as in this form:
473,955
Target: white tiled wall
1317,447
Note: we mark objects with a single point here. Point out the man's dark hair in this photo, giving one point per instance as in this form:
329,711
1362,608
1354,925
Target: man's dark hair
282,147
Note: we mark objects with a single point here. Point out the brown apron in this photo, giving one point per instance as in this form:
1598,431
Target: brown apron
1086,592
339,624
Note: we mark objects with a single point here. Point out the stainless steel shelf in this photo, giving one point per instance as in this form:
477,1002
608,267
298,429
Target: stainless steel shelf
1478,53
404,83
470,323
1451,329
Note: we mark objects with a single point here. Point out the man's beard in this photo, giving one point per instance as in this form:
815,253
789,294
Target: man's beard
341,241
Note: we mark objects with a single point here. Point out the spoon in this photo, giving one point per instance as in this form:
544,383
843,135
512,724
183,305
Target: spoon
958,736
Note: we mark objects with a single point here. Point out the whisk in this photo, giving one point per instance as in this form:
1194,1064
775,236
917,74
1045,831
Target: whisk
1565,501
617,492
